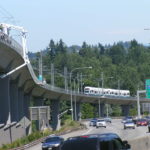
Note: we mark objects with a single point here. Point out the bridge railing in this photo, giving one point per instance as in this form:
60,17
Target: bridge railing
11,43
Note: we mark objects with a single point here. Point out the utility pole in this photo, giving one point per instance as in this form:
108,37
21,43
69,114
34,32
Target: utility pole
52,75
107,111
102,78
81,82
66,78
75,102
119,86
40,67
78,81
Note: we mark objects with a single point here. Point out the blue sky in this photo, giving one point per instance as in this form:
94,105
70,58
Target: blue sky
93,21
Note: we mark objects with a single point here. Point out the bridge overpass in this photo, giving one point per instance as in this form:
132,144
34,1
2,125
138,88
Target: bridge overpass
18,88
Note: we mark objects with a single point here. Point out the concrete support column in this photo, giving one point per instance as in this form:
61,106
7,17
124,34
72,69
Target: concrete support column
26,114
55,106
99,109
14,102
125,110
20,104
102,109
5,111
74,111
26,105
78,107
5,116
96,110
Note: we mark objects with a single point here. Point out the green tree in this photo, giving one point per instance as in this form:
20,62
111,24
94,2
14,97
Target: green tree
116,110
87,111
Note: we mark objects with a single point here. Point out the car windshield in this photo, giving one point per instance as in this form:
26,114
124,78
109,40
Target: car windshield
141,120
129,121
52,139
100,120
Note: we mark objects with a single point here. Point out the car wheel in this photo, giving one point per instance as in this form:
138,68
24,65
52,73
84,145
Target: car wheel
96,126
124,128
105,126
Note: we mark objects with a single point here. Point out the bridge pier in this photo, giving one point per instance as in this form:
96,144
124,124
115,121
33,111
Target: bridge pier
20,103
5,116
14,102
55,106
77,111
12,111
26,113
78,106
102,107
99,110
125,110
5,101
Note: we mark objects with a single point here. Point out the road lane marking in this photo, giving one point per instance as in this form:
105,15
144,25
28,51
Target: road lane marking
87,131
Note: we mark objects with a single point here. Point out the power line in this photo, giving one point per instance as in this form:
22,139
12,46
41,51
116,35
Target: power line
7,16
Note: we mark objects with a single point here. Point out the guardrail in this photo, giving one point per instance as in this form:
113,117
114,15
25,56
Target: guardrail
11,43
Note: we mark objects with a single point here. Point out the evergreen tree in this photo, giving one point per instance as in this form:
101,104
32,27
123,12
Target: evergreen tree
52,49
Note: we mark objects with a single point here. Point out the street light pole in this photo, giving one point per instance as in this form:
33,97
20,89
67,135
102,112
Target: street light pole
102,78
71,86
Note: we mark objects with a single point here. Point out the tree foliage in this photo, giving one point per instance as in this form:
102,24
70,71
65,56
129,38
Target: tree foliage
128,63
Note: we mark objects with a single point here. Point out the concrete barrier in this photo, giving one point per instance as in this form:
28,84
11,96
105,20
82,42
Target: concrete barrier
142,143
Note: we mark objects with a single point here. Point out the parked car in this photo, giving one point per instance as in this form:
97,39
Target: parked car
129,124
105,141
107,119
93,122
100,123
141,122
52,142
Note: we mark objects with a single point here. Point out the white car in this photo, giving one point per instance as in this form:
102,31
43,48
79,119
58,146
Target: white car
129,124
101,123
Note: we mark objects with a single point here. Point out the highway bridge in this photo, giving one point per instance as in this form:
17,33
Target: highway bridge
18,84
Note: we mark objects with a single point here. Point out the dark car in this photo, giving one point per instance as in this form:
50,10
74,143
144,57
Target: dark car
106,141
147,118
52,142
141,122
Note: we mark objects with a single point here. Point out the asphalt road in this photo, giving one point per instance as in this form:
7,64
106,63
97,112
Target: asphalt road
115,127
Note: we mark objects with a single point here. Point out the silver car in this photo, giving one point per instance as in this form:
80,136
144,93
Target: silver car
129,124
101,123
